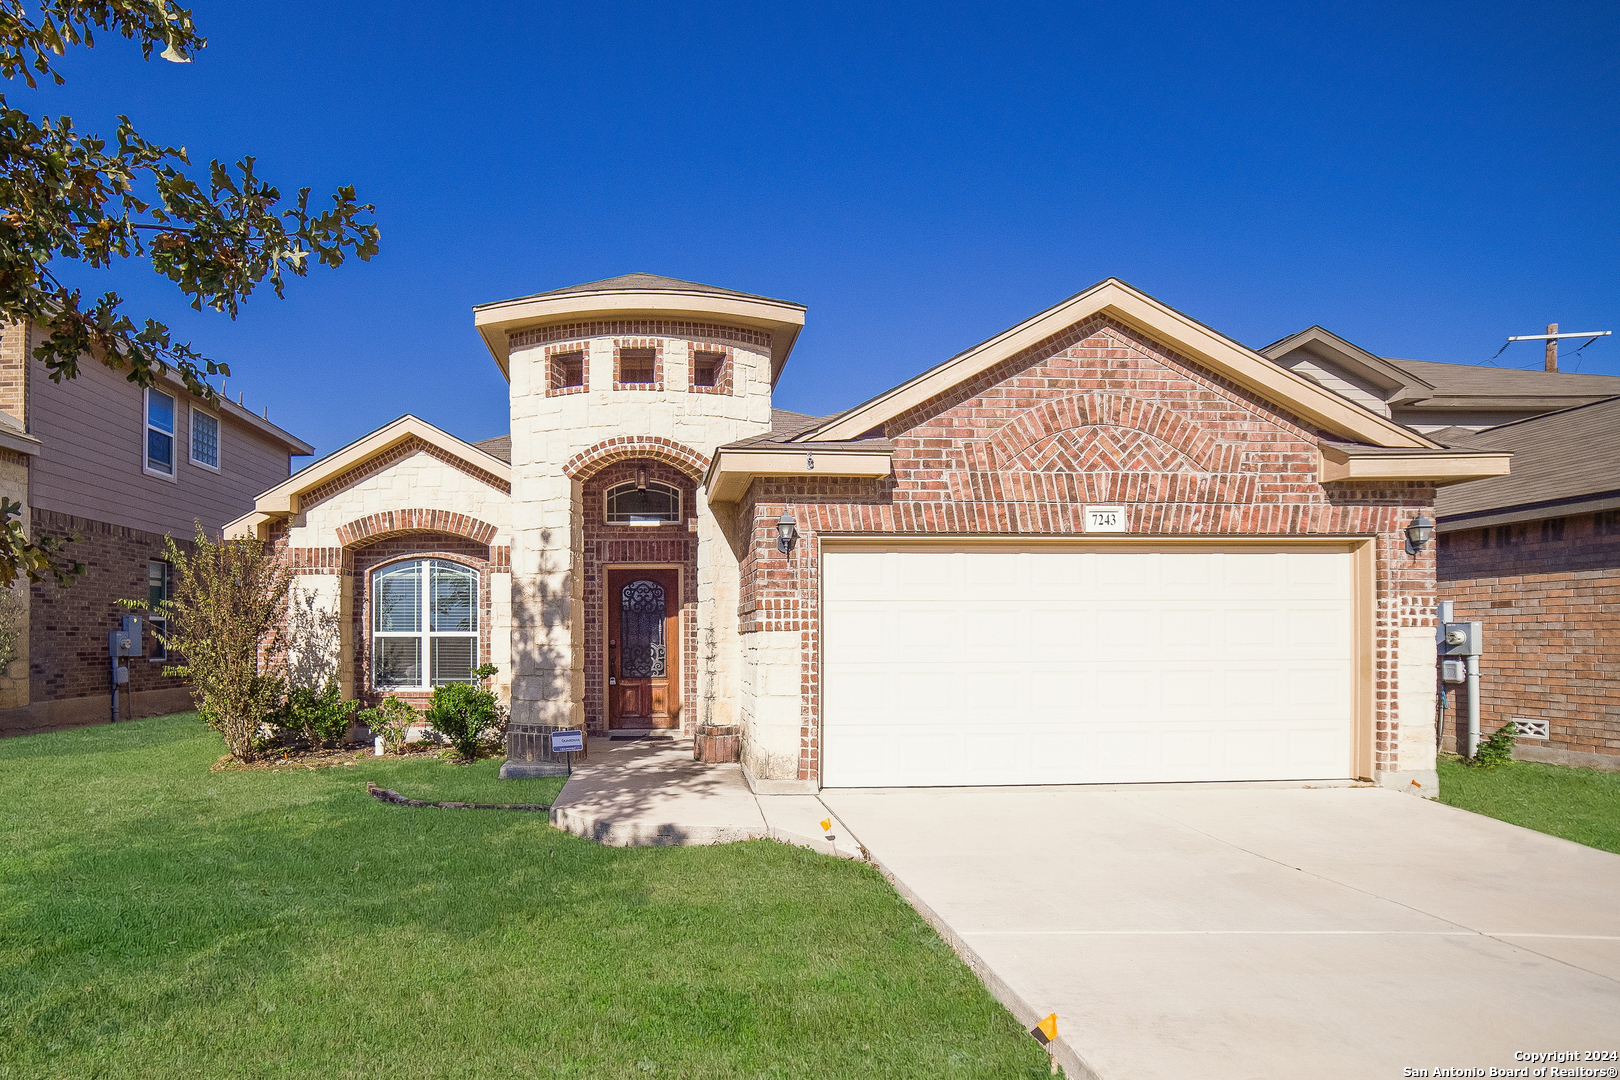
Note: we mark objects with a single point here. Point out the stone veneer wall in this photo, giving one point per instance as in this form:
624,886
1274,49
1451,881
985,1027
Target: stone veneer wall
559,441
413,500
1096,414
605,545
1548,593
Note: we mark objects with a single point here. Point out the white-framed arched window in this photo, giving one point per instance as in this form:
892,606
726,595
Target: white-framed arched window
642,502
424,624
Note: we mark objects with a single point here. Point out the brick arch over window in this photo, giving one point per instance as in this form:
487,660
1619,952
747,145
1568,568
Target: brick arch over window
684,458
375,527
1167,441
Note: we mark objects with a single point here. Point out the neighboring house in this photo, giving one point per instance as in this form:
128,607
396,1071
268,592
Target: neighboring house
1436,399
123,468
1535,556
1108,544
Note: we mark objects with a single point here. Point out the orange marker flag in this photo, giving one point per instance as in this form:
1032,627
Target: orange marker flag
826,824
1046,1030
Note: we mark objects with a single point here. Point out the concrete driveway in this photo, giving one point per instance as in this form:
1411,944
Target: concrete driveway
1256,931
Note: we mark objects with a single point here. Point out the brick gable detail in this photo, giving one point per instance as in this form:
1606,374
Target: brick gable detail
1095,414
392,456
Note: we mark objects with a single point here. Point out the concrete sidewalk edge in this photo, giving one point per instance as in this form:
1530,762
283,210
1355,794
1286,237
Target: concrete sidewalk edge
1075,1067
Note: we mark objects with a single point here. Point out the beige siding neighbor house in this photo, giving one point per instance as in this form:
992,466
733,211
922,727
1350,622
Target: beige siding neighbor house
122,468
1106,545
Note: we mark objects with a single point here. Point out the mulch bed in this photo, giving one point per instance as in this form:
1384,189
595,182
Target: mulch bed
318,759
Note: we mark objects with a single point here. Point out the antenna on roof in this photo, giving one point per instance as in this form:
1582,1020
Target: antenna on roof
1551,337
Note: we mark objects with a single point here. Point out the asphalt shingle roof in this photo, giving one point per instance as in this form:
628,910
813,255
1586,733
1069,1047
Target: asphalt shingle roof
642,280
1557,456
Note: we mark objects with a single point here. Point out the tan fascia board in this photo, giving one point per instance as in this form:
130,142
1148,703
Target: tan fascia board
1440,468
250,526
1347,354
732,471
296,446
19,441
1155,320
284,497
783,320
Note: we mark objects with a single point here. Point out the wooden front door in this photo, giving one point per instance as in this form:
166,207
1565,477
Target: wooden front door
644,648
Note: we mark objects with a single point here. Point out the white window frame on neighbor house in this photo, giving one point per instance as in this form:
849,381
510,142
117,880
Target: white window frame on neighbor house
219,439
425,620
155,621
147,428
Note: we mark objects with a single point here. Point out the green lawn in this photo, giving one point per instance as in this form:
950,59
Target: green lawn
1582,805
159,920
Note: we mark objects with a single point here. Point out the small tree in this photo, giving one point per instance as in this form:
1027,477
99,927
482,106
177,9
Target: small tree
228,622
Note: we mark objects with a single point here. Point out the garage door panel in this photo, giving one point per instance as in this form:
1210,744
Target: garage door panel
1085,667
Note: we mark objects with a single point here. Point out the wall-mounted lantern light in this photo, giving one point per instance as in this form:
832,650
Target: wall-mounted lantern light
786,533
641,478
1418,533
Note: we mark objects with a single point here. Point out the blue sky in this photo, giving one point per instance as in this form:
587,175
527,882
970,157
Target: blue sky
1423,179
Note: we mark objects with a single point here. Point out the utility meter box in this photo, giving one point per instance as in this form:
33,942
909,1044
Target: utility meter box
1454,671
127,642
1463,639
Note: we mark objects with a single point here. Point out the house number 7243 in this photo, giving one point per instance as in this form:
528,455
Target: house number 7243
1104,519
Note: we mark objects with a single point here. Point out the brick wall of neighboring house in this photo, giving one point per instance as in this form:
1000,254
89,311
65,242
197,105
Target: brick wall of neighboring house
1548,593
605,544
68,663
1097,414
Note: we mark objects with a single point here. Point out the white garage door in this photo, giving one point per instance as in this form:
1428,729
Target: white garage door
1069,667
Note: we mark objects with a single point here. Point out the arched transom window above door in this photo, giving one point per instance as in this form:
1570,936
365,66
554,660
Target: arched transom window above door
424,624
642,502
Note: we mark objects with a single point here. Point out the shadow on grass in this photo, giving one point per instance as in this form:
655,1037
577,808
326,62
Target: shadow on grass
160,920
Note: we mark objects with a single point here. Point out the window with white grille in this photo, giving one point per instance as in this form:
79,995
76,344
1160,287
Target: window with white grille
424,624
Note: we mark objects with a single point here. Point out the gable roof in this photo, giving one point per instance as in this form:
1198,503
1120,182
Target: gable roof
283,500
1376,370
641,296
1134,308
500,446
1563,463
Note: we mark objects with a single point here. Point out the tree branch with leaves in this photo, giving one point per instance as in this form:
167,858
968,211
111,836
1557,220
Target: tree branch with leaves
70,197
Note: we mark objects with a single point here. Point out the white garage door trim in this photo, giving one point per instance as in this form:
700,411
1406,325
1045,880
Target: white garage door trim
963,663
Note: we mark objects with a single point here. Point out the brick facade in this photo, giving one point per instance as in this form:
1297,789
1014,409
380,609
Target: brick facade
1548,593
69,626
604,546
1098,414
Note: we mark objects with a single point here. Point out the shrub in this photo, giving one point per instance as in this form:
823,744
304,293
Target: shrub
390,721
227,621
1496,750
321,718
463,715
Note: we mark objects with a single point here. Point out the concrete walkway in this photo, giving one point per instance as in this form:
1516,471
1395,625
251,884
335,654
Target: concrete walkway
1240,931
650,791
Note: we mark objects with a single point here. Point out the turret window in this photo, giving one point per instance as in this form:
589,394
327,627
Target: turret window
642,502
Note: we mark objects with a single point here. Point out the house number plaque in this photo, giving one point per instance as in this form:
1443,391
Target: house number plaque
1105,519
